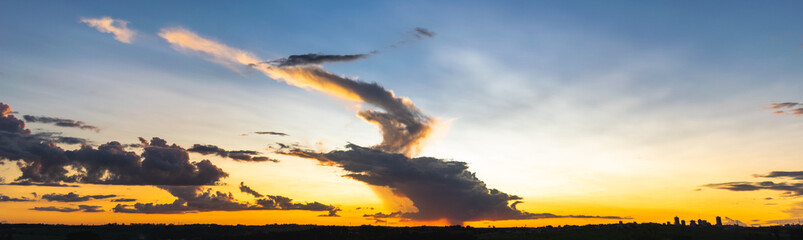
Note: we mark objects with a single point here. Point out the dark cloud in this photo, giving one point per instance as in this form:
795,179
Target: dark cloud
438,188
797,175
423,32
72,197
791,189
70,140
42,162
4,198
195,199
272,133
61,122
82,208
783,105
124,200
314,59
29,183
238,155
246,189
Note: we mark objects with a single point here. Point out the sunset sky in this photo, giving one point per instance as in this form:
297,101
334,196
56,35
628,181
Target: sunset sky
481,113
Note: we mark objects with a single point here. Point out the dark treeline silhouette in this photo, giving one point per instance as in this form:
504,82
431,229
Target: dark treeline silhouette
643,231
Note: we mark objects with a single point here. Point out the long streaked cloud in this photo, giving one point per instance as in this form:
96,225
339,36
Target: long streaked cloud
272,133
42,162
4,198
249,190
73,197
792,189
61,122
237,155
439,189
117,27
192,199
81,208
403,125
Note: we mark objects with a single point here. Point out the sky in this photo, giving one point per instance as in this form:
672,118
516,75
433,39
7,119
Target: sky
503,113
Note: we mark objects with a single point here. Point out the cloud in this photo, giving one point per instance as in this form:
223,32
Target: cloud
72,197
114,26
788,105
82,208
124,200
797,175
783,105
42,162
423,32
403,125
61,122
246,189
793,189
314,59
191,199
238,155
29,183
438,188
4,198
271,133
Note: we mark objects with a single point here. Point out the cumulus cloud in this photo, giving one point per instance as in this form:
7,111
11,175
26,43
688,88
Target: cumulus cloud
42,162
81,208
72,197
246,189
114,26
61,122
4,198
439,189
403,125
192,199
238,155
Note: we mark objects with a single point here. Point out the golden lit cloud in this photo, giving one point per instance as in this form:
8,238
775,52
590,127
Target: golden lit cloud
114,26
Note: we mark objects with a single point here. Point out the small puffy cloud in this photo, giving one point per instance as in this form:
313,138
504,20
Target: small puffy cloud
114,26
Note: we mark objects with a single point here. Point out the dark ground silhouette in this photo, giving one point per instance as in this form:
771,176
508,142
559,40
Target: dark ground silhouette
645,231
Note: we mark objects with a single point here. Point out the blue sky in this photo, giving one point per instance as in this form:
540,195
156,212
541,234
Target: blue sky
543,98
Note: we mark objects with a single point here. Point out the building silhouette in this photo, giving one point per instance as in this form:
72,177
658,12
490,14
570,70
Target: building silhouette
719,221
677,220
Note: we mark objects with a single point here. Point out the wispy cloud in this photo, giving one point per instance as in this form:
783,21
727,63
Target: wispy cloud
114,26
61,122
237,155
73,197
81,208
787,108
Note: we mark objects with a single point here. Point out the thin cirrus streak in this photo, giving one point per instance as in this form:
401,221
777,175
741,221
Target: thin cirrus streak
403,125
